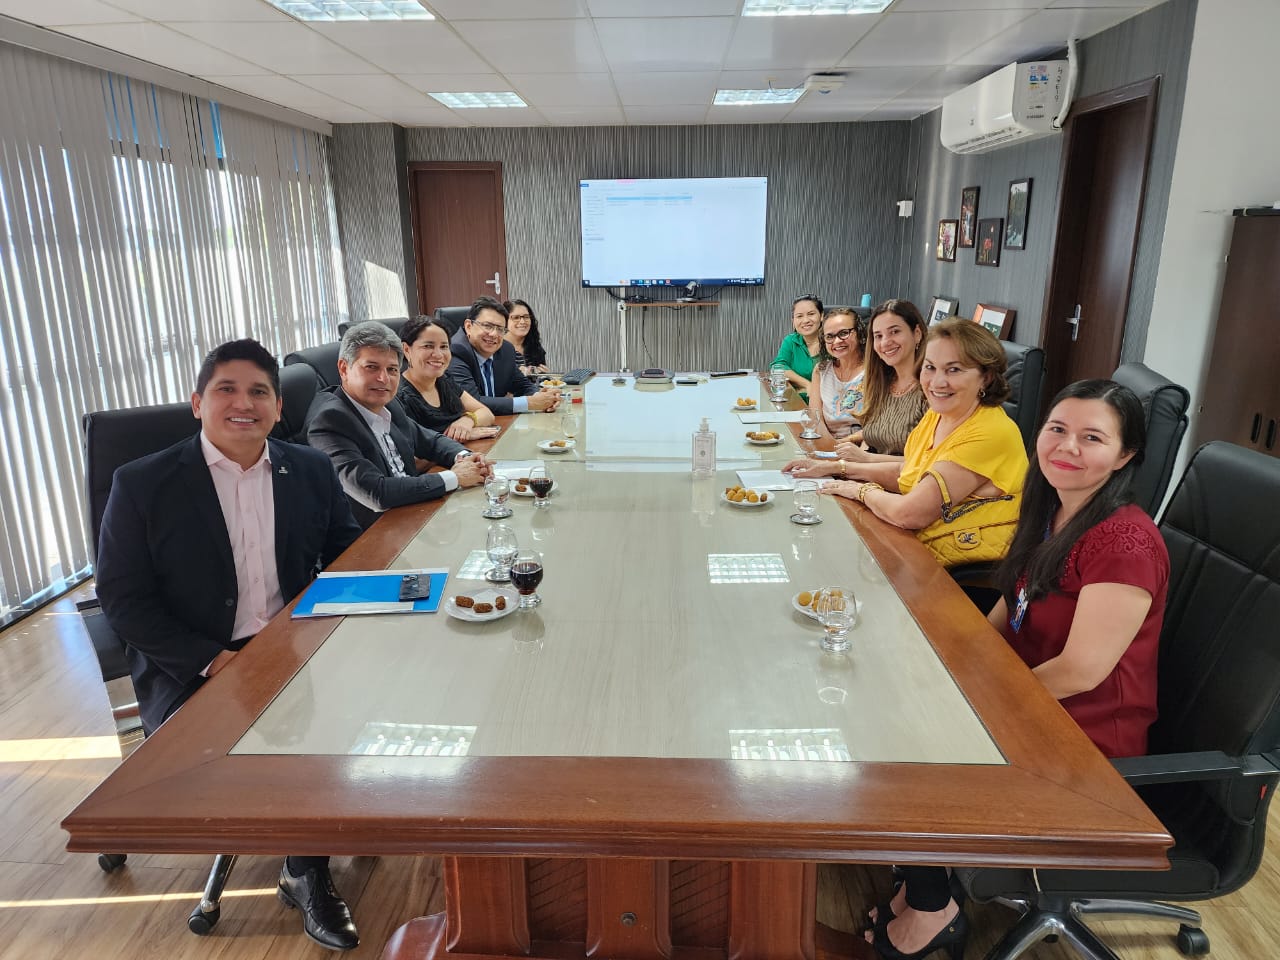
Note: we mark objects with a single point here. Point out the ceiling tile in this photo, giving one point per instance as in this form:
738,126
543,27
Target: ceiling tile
825,110
282,47
665,8
584,116
430,115
660,89
896,111
564,89
1044,33
756,113
948,80
914,6
414,47
535,46
57,13
653,116
761,79
931,39
377,94
505,118
508,9
158,44
287,93
813,42
641,45
456,82
176,11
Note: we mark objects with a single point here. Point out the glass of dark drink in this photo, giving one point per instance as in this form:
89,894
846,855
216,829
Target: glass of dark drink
541,482
526,574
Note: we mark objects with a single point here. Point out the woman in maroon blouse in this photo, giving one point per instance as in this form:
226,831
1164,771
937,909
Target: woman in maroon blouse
1083,594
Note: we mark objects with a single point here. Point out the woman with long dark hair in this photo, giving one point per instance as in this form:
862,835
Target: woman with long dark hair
522,333
801,349
1082,602
426,392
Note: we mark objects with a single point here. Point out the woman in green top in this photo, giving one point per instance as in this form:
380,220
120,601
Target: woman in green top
800,350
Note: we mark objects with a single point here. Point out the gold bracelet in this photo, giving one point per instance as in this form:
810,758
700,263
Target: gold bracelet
862,490
840,463
475,417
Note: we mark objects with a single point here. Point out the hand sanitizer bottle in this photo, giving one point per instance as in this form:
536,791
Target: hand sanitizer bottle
704,451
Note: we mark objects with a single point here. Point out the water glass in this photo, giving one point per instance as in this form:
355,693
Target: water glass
501,547
541,482
810,431
497,489
837,611
570,423
526,574
805,499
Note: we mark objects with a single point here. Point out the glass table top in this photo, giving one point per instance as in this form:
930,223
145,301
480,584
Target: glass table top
668,626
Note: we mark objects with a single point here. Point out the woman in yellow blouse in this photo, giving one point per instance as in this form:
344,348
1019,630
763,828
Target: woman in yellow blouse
960,482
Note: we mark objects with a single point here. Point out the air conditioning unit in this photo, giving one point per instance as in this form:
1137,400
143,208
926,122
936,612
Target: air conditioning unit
1016,103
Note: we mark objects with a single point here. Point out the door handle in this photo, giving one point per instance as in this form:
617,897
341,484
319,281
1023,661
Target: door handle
496,283
1257,428
1074,321
1271,434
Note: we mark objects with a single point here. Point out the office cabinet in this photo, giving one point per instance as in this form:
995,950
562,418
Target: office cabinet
1242,396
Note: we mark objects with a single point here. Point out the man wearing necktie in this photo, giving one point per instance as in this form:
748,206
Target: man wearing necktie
484,364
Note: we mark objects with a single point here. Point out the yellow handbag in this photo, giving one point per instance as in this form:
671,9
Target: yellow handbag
975,531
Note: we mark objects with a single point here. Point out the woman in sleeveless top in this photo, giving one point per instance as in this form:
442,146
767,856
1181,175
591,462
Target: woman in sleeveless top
835,397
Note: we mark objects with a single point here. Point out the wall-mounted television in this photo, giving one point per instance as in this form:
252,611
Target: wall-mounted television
667,233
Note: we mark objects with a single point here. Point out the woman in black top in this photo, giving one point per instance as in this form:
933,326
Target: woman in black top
430,397
522,333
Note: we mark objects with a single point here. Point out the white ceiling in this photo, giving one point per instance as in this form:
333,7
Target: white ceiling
583,62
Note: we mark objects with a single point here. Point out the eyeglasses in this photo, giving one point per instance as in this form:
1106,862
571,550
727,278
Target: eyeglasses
519,316
838,335
489,327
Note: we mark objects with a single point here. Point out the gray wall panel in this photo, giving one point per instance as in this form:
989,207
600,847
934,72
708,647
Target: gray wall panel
832,227
1156,43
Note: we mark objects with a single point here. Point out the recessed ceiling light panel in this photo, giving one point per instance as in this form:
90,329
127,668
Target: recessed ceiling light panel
744,98
330,10
810,8
473,101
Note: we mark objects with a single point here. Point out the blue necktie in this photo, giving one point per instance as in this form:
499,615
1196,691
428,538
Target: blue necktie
486,369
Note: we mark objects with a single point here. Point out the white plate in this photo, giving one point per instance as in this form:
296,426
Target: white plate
528,491
795,605
549,446
747,503
742,409
765,443
482,595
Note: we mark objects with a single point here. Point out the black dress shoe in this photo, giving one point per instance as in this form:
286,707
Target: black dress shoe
325,917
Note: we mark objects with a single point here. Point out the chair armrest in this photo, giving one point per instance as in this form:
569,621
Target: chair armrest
1198,766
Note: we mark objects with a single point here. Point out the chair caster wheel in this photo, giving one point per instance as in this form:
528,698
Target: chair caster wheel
110,861
200,923
1192,941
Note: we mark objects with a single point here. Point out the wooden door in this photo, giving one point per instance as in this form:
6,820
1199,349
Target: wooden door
459,235
1242,395
1100,209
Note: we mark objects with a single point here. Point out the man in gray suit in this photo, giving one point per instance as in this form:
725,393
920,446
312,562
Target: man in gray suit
377,451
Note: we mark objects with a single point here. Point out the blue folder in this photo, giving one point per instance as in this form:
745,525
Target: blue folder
367,591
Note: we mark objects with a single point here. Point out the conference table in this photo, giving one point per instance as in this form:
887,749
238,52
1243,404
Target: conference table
652,762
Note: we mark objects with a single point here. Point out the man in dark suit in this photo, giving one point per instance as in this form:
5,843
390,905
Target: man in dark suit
484,364
378,452
203,543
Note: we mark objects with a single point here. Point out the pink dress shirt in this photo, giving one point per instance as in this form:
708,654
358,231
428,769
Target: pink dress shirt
249,510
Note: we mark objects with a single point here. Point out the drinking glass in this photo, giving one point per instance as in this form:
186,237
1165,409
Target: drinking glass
570,422
777,382
497,489
540,481
810,431
837,611
501,546
805,499
526,574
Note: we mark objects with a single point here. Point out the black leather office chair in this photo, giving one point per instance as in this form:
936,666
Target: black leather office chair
113,438
1025,374
322,359
1165,404
451,318
299,384
395,323
1214,759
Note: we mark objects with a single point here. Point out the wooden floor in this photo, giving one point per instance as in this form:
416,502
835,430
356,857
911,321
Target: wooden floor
58,742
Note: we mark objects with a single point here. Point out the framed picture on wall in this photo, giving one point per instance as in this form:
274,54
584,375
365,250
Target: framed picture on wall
1015,223
947,240
941,308
990,233
968,216
999,320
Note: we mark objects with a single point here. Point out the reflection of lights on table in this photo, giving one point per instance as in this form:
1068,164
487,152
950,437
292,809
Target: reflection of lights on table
825,745
413,740
746,568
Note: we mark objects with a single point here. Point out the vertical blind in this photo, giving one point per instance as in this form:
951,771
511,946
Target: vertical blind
139,227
